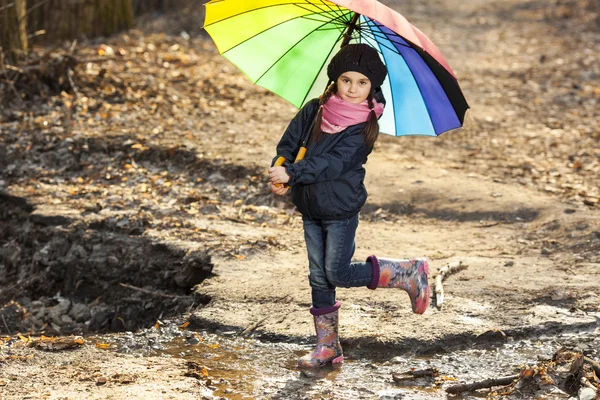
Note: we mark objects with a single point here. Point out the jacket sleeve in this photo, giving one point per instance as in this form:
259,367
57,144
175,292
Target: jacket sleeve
349,152
291,140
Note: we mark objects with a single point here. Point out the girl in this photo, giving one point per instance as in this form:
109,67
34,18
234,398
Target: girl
328,190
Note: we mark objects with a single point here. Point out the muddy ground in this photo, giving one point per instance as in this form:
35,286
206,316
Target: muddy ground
138,193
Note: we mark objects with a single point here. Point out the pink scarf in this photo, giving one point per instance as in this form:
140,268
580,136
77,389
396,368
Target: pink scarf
339,114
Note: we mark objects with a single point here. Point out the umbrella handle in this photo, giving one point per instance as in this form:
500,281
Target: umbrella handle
280,160
278,163
300,154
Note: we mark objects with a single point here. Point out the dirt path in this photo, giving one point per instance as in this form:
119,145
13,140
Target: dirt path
513,195
432,198
509,285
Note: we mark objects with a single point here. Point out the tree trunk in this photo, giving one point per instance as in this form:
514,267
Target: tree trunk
55,20
71,19
13,28
21,11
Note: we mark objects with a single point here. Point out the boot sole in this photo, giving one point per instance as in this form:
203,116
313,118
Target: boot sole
336,361
422,307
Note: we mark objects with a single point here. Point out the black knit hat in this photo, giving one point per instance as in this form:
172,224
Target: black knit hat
359,58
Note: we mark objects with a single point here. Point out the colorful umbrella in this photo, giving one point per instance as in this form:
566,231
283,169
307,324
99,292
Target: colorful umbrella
285,47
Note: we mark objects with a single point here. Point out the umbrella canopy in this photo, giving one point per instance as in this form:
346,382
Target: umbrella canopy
286,45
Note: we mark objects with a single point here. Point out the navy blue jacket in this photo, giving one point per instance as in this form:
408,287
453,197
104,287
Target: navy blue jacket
328,182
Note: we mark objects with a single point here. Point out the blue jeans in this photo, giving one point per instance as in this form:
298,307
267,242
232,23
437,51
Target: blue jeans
330,247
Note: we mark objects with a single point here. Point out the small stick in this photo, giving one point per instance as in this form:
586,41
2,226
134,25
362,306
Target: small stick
9,5
585,382
420,373
594,364
441,275
252,327
5,324
70,74
488,383
170,296
489,225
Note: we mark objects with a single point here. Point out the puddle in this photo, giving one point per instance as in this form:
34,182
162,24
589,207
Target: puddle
238,368
241,368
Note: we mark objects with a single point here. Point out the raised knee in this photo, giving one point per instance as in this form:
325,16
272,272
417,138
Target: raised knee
337,279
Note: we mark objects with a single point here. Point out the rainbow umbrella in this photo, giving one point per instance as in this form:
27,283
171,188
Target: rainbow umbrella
285,47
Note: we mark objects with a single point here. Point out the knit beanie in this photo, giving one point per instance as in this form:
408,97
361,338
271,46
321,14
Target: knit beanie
359,58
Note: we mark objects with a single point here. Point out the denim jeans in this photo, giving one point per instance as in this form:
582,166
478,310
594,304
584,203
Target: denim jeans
330,247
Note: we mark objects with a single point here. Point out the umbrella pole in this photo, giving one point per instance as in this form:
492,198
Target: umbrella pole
351,27
347,37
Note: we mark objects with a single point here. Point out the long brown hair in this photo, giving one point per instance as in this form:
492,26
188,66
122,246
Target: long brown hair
371,130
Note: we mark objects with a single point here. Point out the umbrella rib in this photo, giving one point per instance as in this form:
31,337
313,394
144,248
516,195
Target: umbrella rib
375,37
288,50
271,27
416,83
386,63
302,6
324,61
340,15
335,23
381,35
337,11
320,20
316,6
386,36
337,27
258,8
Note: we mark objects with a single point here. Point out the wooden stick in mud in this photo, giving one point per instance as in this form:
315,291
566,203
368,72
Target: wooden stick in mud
585,382
488,383
450,268
594,364
419,373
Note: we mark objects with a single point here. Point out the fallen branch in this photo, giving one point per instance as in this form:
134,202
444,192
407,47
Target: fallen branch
57,343
170,296
252,327
441,275
594,364
420,373
585,382
6,7
488,383
489,225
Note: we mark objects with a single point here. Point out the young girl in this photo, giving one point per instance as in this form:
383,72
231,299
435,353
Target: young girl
327,188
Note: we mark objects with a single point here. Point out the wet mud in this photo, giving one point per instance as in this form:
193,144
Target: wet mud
236,367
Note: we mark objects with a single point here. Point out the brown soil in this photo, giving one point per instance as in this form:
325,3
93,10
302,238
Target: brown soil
153,179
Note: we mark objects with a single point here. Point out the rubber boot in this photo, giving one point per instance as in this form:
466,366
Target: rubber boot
328,348
410,275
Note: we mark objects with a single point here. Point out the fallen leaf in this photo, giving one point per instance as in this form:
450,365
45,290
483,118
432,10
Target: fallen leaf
184,325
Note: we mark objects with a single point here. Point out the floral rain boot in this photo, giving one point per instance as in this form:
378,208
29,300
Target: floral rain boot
328,348
410,275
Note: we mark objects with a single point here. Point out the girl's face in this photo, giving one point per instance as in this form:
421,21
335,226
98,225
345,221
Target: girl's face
353,87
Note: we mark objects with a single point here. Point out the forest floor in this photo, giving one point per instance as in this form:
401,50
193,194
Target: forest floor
157,161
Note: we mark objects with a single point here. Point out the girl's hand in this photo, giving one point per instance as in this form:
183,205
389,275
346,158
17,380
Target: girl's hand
278,175
279,190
